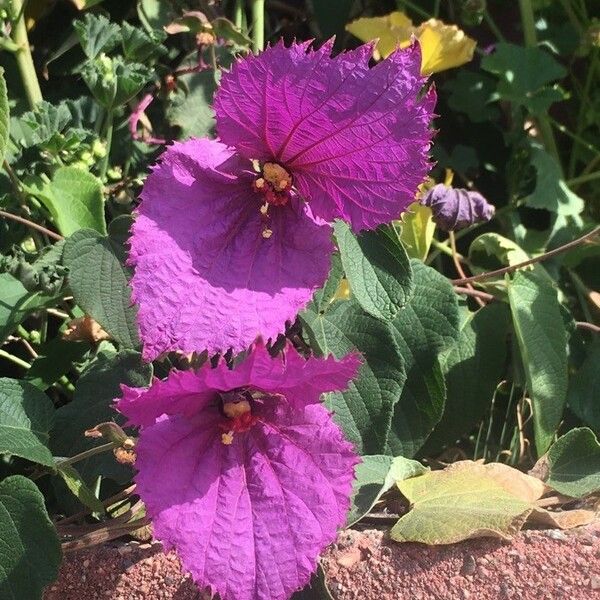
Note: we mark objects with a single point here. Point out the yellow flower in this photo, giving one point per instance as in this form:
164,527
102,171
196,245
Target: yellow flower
393,30
442,46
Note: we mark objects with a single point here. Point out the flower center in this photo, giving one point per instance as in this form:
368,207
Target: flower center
238,417
274,183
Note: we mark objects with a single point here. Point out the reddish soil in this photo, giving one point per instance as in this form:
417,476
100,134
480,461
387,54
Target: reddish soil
364,565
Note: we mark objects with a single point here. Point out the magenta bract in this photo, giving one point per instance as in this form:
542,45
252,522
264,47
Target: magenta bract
243,471
231,241
205,277
355,139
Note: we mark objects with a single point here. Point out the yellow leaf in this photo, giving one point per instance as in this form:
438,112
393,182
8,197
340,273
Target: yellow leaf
417,230
443,46
458,504
392,31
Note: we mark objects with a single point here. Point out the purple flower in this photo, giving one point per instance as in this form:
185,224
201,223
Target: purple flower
455,208
243,471
233,236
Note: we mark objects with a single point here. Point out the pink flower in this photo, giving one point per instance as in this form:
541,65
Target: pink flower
231,241
243,471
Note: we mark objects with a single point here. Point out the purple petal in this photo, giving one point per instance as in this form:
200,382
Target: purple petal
454,208
247,519
205,277
355,139
187,392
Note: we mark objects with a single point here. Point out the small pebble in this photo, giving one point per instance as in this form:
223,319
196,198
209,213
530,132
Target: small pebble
469,565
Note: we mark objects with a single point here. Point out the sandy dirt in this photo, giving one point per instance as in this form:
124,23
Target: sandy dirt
536,565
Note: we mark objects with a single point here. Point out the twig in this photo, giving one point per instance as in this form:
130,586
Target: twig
531,261
459,268
589,326
31,224
470,291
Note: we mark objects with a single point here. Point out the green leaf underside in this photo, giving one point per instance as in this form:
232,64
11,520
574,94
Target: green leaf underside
377,269
374,476
542,338
574,463
29,550
473,368
100,285
26,418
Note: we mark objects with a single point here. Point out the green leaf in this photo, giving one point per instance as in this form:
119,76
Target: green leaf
44,122
4,116
574,463
417,230
80,489
542,340
225,29
74,199
584,389
492,250
26,418
454,505
374,476
114,82
55,359
191,108
16,303
96,34
155,14
99,284
92,404
323,297
473,367
472,93
524,75
425,328
377,268
551,191
364,411
31,551
139,46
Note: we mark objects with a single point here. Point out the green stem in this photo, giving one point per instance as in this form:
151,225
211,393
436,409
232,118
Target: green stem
14,359
584,178
108,134
258,25
402,4
23,56
585,99
530,36
493,27
238,11
87,454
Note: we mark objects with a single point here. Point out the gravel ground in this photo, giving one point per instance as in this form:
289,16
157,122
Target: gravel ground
536,565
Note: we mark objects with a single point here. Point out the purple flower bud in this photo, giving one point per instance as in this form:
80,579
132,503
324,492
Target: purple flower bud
455,208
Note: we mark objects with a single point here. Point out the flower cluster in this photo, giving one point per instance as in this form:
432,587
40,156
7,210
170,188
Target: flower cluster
242,469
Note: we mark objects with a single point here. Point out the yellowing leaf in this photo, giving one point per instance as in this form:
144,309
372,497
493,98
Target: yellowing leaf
458,504
392,31
443,46
522,486
417,230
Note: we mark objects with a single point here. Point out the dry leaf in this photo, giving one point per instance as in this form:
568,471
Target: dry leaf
564,519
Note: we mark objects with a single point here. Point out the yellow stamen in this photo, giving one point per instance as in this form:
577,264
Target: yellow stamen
264,209
267,233
260,183
236,409
227,438
277,176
